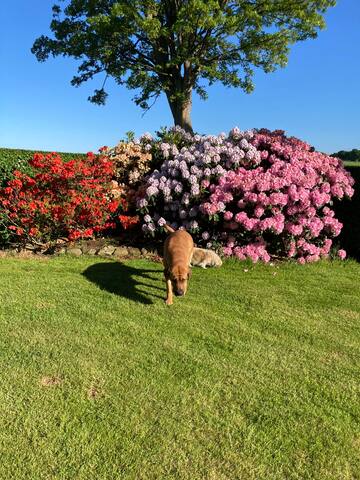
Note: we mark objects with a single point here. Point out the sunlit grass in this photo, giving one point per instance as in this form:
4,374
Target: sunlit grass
253,375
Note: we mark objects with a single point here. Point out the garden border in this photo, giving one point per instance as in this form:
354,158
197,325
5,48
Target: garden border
105,248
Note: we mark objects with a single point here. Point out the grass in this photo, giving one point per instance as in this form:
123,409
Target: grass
253,375
351,164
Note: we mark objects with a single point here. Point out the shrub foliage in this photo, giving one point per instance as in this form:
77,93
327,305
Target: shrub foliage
12,159
252,194
61,199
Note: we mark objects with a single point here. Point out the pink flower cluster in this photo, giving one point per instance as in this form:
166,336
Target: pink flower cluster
281,206
256,194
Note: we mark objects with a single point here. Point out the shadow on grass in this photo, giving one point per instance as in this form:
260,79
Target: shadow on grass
125,281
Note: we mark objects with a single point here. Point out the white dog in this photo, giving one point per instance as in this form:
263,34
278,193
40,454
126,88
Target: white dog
202,257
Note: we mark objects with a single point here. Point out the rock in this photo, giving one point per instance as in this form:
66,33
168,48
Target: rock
91,251
76,252
24,253
121,252
87,245
95,243
106,251
30,246
2,253
148,252
154,249
134,252
61,251
61,241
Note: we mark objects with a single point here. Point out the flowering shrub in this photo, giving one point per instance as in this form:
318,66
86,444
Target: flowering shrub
13,159
132,161
62,199
189,169
255,194
126,196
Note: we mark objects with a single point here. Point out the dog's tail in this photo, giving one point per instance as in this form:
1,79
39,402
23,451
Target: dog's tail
168,228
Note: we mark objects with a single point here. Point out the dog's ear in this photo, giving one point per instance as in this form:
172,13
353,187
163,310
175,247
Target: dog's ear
189,274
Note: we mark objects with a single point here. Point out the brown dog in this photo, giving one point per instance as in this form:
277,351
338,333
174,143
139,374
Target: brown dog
178,250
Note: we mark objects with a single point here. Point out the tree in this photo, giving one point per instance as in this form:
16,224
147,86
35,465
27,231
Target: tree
173,46
348,155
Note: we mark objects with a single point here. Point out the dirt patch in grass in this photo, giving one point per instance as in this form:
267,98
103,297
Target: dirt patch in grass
95,390
50,381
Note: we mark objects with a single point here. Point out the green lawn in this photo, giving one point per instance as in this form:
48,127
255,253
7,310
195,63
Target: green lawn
253,375
351,164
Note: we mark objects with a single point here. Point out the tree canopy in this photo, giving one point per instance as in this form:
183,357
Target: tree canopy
348,155
177,46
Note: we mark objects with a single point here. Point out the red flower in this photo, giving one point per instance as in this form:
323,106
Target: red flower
128,222
30,181
113,206
74,235
33,231
89,232
15,183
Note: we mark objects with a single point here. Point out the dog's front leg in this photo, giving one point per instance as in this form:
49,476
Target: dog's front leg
169,299
169,292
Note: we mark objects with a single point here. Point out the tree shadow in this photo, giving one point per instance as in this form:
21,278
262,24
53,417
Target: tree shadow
124,280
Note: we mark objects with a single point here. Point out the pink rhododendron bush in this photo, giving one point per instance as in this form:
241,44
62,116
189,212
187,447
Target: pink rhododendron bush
253,194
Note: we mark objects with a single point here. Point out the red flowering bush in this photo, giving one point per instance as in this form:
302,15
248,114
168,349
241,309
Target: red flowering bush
62,199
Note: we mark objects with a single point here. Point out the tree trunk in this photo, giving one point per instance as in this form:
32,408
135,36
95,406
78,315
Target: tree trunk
181,112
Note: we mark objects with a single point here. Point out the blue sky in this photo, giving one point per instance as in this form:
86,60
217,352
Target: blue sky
316,97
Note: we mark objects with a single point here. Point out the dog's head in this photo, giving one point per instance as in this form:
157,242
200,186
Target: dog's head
179,277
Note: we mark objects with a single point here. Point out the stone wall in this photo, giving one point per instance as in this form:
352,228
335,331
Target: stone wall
101,248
